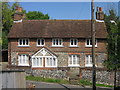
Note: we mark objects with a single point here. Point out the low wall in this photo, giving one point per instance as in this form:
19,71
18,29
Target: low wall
102,75
59,74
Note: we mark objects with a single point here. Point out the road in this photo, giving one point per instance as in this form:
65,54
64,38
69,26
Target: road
57,86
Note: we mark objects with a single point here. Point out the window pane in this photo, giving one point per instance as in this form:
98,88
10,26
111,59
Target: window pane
56,42
38,42
87,42
23,42
90,59
71,42
70,60
87,58
53,42
42,42
26,42
54,62
20,42
74,59
78,60
75,42
90,42
60,42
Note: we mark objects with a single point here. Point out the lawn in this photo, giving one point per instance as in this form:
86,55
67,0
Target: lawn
61,81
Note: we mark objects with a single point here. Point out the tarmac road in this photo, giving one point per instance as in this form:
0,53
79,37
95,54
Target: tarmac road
57,86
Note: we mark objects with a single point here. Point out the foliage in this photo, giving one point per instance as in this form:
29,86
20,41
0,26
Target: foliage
4,40
36,15
6,16
113,61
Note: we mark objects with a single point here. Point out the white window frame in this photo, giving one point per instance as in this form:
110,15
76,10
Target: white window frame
46,63
34,59
59,45
41,42
22,42
89,64
70,58
90,42
74,43
20,62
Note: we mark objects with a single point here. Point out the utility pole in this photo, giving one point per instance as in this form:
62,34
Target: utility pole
93,46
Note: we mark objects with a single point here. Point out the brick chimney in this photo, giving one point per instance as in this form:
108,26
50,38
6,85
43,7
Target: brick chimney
99,14
19,15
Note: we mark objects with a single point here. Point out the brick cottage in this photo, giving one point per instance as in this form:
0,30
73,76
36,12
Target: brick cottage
55,44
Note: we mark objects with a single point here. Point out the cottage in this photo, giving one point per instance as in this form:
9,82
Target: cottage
51,44
54,44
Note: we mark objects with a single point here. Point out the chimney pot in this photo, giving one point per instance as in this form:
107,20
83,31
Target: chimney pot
100,9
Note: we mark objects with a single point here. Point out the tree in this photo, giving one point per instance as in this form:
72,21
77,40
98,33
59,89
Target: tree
7,21
6,16
36,15
113,62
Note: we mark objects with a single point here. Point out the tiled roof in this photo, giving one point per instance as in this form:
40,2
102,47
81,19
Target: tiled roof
56,29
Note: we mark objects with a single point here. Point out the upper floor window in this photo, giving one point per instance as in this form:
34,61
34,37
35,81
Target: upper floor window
73,42
74,60
23,60
57,42
40,42
89,43
23,42
88,60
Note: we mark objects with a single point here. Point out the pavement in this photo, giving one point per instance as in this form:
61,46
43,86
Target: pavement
57,86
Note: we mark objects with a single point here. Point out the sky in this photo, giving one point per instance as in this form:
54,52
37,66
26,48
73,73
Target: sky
67,10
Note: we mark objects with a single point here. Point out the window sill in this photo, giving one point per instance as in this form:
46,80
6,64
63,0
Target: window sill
37,66
40,45
73,65
90,46
23,46
57,46
74,46
89,65
51,66
23,65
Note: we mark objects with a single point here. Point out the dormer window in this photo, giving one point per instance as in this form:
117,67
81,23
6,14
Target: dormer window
57,42
23,42
89,43
40,42
73,42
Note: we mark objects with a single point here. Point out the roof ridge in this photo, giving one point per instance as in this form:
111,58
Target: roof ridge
60,20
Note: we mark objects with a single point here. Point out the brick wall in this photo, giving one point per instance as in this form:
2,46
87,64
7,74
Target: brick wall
61,52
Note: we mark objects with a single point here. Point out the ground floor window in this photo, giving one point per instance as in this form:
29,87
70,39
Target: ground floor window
37,62
88,60
51,62
44,62
74,60
23,60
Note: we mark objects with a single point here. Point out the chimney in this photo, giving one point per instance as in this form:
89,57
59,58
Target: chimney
99,14
19,15
18,9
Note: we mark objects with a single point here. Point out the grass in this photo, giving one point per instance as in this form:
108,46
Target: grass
85,82
88,83
103,85
81,82
47,80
